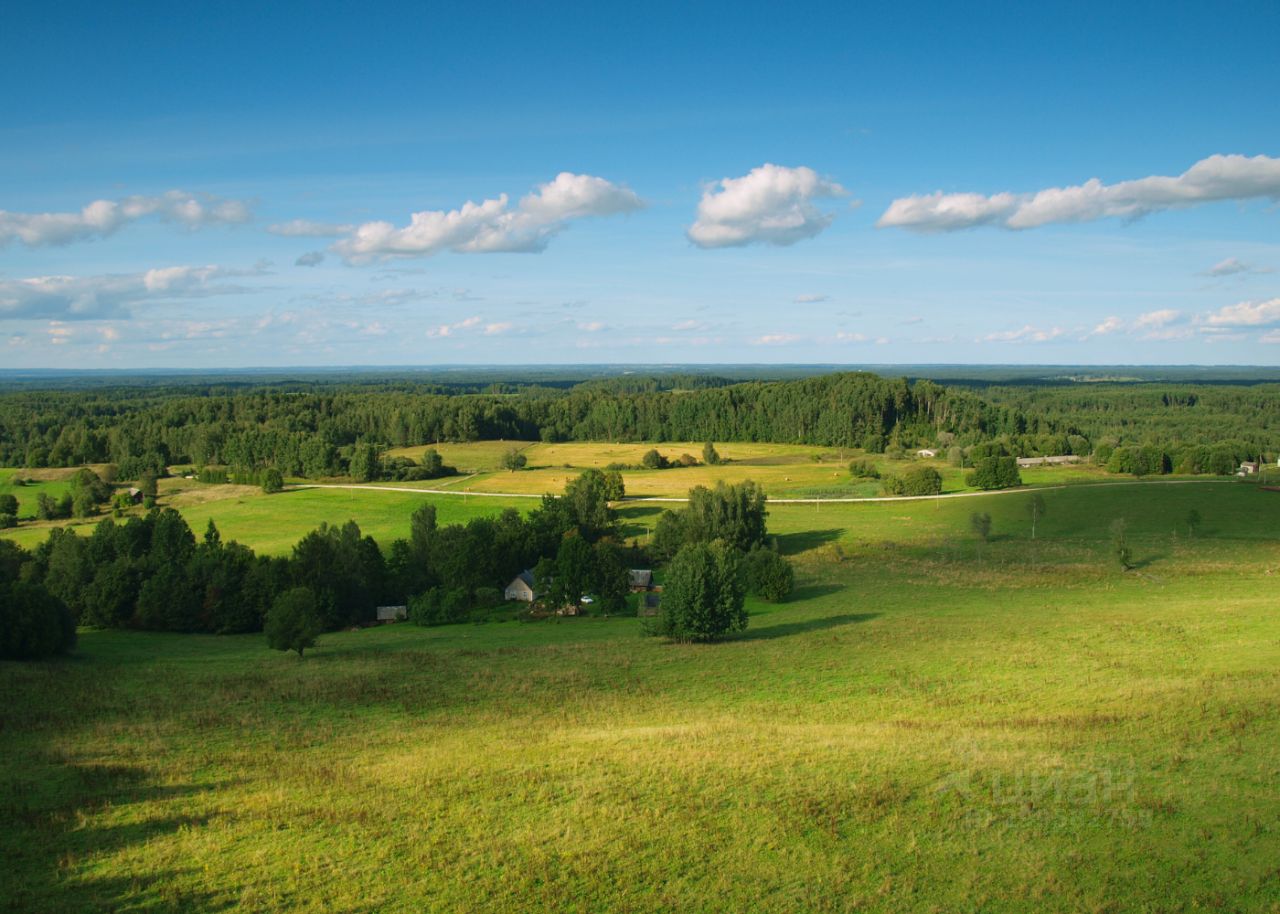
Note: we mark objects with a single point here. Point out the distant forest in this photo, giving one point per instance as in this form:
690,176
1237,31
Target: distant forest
312,427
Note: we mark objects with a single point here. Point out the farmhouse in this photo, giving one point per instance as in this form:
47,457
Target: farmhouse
392,613
640,580
1055,461
521,587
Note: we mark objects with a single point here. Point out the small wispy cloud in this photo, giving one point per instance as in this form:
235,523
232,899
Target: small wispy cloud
1234,267
776,339
1025,334
810,299
102,218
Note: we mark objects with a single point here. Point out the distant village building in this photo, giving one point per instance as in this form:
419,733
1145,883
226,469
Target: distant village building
392,613
1058,460
926,452
640,580
521,587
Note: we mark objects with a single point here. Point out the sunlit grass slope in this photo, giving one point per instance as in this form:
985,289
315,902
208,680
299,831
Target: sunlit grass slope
932,724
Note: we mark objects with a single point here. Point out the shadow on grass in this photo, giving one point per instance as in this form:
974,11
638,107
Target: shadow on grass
803,541
638,521
1147,561
55,853
787,629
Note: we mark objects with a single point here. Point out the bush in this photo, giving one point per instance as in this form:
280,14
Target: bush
9,504
652,460
768,575
710,456
293,621
995,473
703,597
918,480
33,622
8,520
272,481
862,468
439,607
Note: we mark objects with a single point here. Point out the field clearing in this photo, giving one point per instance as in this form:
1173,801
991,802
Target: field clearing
468,456
271,524
53,484
934,725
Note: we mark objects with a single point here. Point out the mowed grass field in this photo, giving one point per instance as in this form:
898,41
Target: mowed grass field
931,724
783,470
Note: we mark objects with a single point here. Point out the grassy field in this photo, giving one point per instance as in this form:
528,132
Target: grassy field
931,724
273,523
783,470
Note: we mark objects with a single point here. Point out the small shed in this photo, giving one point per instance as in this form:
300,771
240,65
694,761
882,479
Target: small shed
136,496
392,613
640,580
1247,468
521,587
1055,460
926,452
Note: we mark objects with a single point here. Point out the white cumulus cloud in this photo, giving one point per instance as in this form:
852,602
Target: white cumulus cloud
1218,177
771,204
491,226
105,217
1247,314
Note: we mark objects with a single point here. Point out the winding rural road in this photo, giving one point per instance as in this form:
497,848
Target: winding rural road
781,501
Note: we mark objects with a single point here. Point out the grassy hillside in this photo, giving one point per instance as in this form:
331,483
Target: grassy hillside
931,724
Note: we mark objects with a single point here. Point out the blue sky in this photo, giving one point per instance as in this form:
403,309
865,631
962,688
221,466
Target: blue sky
1045,183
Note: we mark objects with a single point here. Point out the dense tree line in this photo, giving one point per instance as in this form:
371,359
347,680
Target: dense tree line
337,428
320,431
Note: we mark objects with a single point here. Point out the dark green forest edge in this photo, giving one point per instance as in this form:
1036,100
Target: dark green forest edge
312,429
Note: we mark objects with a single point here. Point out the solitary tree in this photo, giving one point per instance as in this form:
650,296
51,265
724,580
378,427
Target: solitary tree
703,596
272,481
293,621
1120,543
710,456
768,574
513,460
9,504
981,525
1035,510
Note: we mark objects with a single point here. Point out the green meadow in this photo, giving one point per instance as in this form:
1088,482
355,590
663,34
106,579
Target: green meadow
931,723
